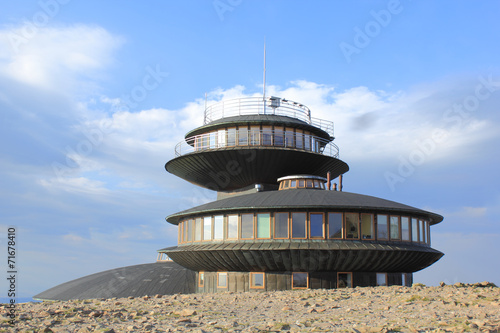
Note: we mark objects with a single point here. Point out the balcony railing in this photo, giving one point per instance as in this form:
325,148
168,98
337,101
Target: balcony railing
269,106
234,138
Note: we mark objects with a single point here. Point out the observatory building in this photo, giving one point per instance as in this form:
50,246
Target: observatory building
278,222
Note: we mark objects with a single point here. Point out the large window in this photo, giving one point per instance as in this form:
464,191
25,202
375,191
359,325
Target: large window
257,280
307,142
367,228
218,227
414,230
381,279
335,225
289,138
281,225
351,225
231,137
264,225
246,226
278,137
405,228
267,136
316,225
221,138
189,230
213,140
232,226
344,280
382,227
422,231
394,229
221,280
299,225
299,143
197,229
300,280
201,279
243,136
207,228
255,135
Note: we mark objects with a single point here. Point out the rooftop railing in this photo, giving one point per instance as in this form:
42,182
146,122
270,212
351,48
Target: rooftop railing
269,106
266,138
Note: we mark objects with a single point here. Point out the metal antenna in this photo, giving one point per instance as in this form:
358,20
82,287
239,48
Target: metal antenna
264,93
264,86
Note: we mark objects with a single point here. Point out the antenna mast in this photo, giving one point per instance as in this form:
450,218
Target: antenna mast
264,85
264,93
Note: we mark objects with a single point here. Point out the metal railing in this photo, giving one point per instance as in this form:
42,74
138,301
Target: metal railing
269,106
234,138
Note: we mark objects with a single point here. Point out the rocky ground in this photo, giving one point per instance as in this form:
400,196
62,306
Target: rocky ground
456,308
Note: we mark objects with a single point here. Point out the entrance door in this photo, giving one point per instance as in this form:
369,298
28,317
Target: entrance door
344,280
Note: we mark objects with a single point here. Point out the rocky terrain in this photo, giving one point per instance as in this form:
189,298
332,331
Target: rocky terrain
454,308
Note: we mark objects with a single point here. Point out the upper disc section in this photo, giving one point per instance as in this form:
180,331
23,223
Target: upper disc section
255,140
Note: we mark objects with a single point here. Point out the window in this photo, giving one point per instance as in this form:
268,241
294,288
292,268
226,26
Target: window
422,232
299,143
181,234
278,137
243,136
300,280
309,183
302,183
246,226
428,233
232,226
257,280
264,225
197,229
335,225
205,141
231,137
405,228
394,229
381,279
367,229
317,184
221,138
189,230
213,139
267,136
414,230
201,279
289,138
293,183
207,228
299,225
221,280
307,142
344,280
255,135
316,225
280,225
382,227
351,225
218,227
286,184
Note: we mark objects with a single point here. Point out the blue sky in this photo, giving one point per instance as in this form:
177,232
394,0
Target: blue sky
94,96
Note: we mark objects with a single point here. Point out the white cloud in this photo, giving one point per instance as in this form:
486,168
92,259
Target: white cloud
54,57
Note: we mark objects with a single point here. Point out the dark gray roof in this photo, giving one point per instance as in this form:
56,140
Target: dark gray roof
164,278
258,119
304,199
